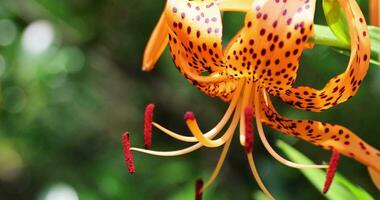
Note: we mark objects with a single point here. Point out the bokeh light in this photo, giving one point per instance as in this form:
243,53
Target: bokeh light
8,32
61,191
37,37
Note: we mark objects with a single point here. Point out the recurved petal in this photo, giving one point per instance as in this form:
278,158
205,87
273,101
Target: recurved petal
269,45
156,44
342,87
195,35
322,134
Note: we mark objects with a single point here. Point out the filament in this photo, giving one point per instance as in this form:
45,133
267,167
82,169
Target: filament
194,147
269,148
257,177
219,165
194,128
169,153
214,131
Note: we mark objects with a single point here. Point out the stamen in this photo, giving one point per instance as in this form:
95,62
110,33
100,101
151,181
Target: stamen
214,131
198,189
189,116
333,165
192,124
219,165
257,176
269,148
227,135
248,129
148,119
128,156
169,153
245,101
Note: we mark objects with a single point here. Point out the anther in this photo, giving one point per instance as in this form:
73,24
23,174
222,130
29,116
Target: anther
248,117
128,156
198,189
333,165
189,116
148,120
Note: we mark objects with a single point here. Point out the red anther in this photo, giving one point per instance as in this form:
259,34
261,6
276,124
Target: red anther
128,156
198,189
189,116
333,165
248,115
148,120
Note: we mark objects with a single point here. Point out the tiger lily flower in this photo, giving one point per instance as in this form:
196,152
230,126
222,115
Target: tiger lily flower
260,61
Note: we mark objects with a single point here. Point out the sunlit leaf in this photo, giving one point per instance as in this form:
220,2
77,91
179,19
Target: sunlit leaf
336,20
341,188
374,33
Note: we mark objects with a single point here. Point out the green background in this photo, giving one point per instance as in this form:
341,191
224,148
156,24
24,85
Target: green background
63,110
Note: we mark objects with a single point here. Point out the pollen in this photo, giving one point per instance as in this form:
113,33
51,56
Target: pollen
128,156
248,129
198,189
333,165
148,119
189,116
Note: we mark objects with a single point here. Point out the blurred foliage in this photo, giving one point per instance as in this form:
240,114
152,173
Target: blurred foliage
67,98
341,188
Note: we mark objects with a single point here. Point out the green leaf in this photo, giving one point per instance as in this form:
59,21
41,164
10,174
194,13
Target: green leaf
374,33
324,36
336,20
341,188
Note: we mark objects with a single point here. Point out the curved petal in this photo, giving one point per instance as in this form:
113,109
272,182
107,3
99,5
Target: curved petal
156,44
270,43
195,39
322,134
340,88
195,35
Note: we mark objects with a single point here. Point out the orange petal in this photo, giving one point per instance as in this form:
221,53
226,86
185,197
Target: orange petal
375,176
374,7
195,39
156,44
270,43
324,135
342,87
195,35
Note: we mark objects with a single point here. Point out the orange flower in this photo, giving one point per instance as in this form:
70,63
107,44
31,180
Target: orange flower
261,60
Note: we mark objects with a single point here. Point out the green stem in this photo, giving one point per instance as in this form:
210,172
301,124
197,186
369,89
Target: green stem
324,36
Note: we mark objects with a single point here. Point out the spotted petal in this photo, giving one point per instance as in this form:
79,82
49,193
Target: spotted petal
323,134
195,35
271,42
195,39
342,87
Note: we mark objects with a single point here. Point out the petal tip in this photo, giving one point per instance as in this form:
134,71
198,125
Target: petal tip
147,68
